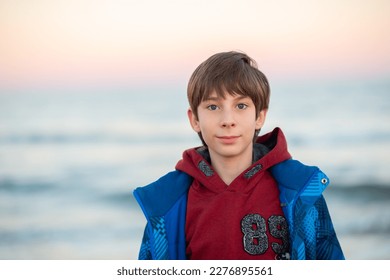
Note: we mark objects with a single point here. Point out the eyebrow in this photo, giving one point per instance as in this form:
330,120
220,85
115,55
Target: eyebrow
217,98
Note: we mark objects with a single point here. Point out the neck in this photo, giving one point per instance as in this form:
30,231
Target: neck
229,168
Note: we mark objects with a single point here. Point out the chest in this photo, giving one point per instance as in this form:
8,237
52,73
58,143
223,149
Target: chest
245,223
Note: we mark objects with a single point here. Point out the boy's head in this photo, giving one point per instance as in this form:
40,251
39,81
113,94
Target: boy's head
232,73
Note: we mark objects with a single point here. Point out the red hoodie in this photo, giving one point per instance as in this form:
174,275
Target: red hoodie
243,220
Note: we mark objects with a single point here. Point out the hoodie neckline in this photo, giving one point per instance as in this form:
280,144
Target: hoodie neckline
269,150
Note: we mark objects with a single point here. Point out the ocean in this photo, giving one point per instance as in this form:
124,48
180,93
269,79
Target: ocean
70,159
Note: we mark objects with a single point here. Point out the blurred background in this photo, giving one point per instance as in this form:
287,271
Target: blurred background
93,104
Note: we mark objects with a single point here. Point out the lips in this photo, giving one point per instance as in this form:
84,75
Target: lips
228,139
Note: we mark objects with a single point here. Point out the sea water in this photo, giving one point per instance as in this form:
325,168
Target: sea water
70,159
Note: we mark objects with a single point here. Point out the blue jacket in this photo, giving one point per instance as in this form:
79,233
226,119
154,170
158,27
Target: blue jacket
312,235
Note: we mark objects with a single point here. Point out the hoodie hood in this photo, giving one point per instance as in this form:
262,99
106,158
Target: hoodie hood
268,150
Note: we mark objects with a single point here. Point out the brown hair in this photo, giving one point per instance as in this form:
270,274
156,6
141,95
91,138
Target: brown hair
228,72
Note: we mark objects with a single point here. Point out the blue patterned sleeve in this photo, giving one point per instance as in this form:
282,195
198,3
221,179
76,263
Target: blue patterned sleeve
328,246
144,252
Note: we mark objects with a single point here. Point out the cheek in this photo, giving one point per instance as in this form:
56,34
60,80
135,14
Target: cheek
204,127
204,122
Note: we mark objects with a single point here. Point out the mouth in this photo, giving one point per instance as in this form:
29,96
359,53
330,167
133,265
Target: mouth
228,139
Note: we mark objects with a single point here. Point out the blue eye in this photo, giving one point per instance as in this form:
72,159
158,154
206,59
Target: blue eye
212,107
242,106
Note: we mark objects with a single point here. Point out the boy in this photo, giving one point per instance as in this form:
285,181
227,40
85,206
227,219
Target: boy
239,196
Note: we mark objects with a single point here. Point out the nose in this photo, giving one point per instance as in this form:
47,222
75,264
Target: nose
227,119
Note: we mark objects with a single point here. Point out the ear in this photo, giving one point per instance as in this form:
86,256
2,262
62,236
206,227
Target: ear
261,119
193,120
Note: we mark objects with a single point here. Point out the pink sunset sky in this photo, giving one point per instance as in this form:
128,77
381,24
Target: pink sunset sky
47,43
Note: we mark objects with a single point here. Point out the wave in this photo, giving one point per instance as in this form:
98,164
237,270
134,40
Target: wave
363,193
13,186
91,138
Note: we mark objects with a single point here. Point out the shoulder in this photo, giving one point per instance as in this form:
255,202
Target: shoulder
294,176
293,173
160,195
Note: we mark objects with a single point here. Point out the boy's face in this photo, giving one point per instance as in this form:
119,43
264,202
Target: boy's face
227,125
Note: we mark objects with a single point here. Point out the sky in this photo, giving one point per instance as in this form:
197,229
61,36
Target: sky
56,43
